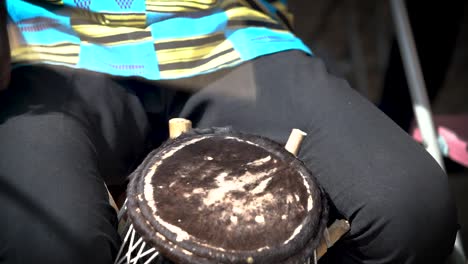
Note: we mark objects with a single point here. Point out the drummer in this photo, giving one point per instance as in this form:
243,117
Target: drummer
93,84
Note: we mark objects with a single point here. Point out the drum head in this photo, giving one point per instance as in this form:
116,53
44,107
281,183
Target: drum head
227,198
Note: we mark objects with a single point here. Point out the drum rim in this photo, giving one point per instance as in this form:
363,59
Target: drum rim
187,247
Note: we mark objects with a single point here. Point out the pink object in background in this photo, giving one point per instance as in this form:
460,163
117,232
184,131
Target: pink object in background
453,136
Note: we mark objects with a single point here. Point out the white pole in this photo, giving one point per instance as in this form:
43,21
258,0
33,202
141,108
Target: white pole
421,106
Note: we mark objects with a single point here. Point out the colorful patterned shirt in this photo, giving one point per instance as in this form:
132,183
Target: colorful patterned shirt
153,39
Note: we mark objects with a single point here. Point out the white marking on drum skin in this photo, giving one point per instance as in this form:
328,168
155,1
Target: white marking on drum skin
220,178
263,248
237,210
198,191
240,140
262,186
237,184
163,238
260,219
148,191
247,207
148,188
233,219
224,215
310,201
289,199
250,142
181,235
172,184
208,158
259,162
209,246
294,234
297,197
174,150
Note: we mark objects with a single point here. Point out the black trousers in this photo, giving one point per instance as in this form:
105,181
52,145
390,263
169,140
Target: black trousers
63,132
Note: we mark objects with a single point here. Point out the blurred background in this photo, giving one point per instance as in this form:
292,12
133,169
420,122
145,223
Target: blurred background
357,41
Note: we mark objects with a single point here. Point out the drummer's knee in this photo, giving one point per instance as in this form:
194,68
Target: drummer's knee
94,245
407,223
40,240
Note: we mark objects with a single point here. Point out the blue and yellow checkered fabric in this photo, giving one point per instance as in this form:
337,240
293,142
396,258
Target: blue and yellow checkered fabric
153,39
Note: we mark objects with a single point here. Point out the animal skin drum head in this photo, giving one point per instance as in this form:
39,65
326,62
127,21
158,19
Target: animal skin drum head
224,197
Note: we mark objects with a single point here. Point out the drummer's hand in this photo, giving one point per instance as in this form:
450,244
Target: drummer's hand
4,48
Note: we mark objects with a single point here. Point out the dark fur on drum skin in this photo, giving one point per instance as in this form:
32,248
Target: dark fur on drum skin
244,209
297,251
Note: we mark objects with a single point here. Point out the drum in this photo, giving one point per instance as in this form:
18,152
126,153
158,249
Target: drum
217,196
